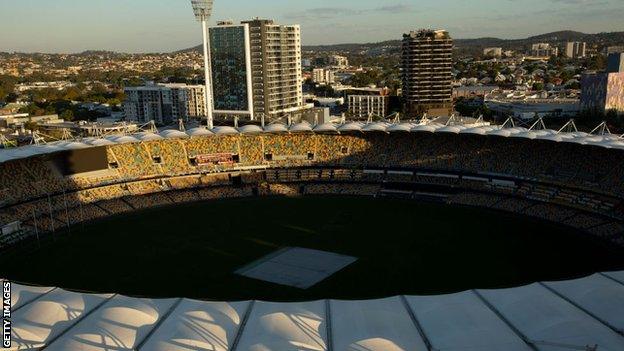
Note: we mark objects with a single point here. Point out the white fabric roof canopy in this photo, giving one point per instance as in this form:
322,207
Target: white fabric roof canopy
606,141
545,316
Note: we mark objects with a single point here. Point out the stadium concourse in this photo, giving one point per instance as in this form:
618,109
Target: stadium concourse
570,178
582,314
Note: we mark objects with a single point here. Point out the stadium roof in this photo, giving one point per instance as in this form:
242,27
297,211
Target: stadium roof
610,141
575,314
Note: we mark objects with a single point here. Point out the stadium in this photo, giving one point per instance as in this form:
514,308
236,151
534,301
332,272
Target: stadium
358,236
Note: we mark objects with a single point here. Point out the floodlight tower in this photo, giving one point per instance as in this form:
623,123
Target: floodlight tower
203,11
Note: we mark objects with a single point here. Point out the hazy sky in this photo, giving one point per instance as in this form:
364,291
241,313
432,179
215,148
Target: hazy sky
166,25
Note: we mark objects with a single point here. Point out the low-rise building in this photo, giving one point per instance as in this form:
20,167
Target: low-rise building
364,103
473,91
88,129
338,61
15,121
525,106
164,103
493,52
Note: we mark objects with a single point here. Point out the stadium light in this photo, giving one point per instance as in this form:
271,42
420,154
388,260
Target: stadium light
203,11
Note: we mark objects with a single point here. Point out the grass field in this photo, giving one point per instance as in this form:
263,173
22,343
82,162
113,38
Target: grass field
403,247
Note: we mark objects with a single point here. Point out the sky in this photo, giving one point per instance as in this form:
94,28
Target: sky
70,26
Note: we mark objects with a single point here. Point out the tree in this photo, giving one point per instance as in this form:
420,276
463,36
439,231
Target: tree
33,110
72,94
598,62
67,115
30,125
7,86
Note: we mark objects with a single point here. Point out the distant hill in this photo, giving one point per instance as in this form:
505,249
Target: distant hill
564,35
477,44
558,38
97,52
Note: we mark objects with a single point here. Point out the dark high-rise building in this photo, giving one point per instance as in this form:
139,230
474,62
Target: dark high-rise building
615,62
231,69
426,72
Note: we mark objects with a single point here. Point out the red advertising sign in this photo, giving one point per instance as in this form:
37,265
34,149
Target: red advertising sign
215,159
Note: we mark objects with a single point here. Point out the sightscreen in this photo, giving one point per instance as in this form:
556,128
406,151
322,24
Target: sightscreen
82,160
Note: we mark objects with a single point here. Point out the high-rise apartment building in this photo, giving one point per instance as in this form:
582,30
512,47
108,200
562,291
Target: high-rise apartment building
575,49
164,103
427,61
231,70
275,68
543,50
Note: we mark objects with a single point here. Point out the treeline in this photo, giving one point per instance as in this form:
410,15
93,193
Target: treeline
66,102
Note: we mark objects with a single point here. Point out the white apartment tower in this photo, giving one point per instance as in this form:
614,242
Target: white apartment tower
276,68
575,49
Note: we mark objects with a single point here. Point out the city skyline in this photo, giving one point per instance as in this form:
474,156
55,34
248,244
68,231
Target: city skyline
139,26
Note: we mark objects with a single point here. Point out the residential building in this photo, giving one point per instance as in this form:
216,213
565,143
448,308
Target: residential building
231,70
473,91
427,64
323,76
338,61
16,120
614,49
275,69
543,50
493,52
164,103
575,49
364,106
